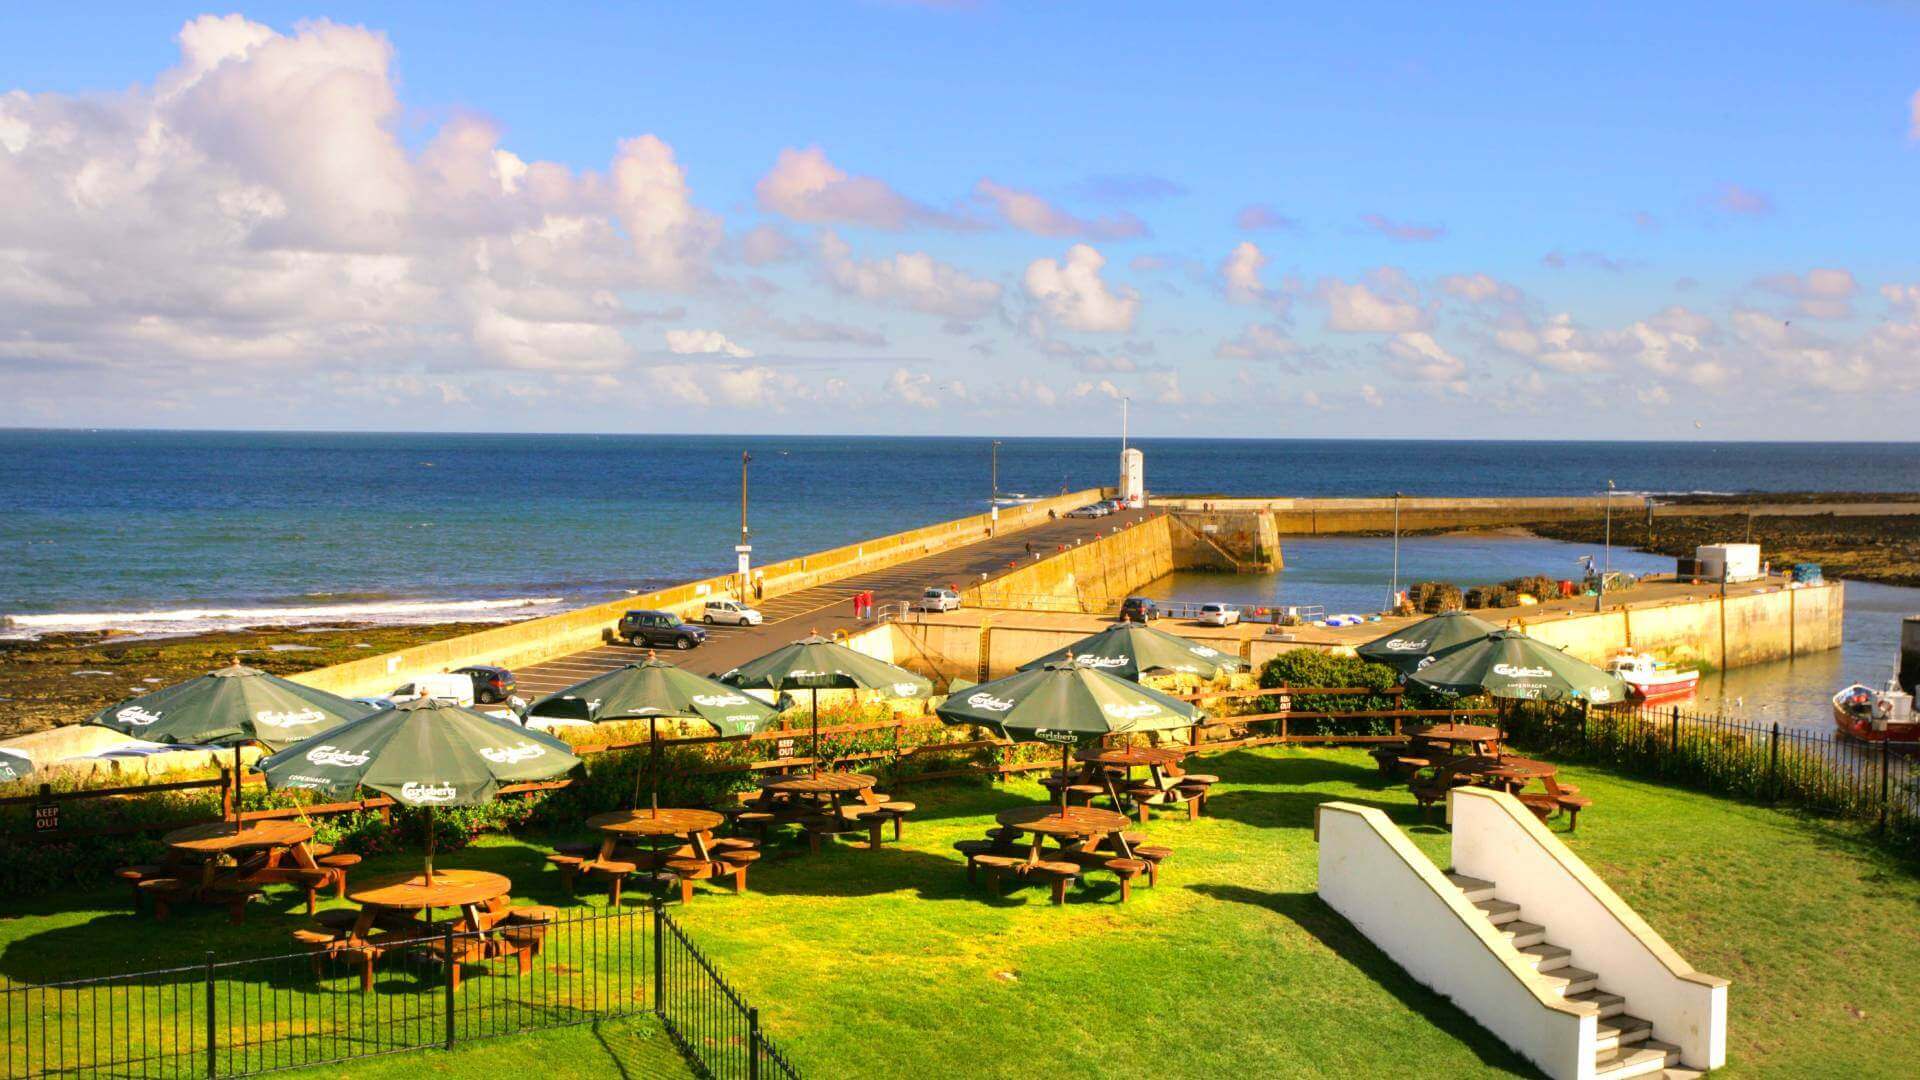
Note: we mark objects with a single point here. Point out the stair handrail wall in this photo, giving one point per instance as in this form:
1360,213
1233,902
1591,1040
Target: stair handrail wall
1497,839
1380,882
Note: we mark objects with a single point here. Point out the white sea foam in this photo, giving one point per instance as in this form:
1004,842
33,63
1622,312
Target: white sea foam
199,620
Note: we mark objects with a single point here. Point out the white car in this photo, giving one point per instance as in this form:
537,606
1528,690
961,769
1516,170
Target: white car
1218,614
1091,510
731,612
937,599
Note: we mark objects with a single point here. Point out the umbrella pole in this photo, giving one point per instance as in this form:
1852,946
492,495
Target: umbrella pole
653,766
236,787
1063,779
430,832
816,730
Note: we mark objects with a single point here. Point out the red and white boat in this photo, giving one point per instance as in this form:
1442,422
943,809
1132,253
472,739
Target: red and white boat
1877,715
1648,679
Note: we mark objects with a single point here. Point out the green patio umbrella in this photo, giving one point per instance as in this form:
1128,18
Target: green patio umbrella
230,706
815,663
1130,650
650,691
1511,666
1411,648
14,765
425,752
1067,705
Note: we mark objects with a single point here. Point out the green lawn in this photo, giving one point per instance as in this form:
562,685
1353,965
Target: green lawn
889,963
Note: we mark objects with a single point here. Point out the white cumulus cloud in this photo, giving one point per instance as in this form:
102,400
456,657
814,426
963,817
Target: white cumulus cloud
1071,293
911,279
704,342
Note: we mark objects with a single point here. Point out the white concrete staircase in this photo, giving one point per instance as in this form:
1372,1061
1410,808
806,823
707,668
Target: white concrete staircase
1624,1045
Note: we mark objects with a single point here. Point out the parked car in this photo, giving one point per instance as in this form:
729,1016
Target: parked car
937,599
731,612
491,685
660,628
1218,614
1091,510
1139,609
441,686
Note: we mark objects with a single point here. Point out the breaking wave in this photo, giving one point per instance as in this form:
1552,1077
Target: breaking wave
201,619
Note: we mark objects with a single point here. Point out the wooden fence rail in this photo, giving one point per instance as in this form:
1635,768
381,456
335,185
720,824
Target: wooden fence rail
1215,734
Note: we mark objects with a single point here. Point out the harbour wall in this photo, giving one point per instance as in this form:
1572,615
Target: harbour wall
534,640
1735,631
1097,575
1319,517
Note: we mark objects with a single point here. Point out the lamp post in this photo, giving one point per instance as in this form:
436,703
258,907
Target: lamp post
993,501
744,549
1606,565
1393,597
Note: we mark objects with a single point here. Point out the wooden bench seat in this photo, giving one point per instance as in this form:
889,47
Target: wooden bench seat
1059,874
137,873
339,864
997,867
1126,870
164,892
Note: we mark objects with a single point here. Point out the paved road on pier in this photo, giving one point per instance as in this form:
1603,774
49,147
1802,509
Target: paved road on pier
825,608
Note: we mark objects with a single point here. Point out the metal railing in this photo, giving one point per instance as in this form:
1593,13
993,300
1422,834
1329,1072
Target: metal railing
239,1017
707,1018
1819,771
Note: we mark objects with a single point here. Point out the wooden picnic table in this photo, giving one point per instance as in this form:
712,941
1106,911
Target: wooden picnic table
404,895
694,826
208,842
818,784
1509,771
820,803
1482,739
1084,825
1154,759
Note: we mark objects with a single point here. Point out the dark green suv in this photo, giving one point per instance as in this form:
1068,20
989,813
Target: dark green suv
660,628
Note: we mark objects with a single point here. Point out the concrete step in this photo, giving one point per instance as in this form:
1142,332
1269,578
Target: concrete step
1622,1030
1475,888
1680,1072
1572,980
1610,1005
1647,1057
1521,933
1499,912
1545,957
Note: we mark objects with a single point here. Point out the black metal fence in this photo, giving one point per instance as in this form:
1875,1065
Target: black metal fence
224,1018
1819,771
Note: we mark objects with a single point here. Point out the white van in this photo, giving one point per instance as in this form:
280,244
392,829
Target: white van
441,686
731,612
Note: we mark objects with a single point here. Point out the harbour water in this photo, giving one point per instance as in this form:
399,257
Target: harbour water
1353,574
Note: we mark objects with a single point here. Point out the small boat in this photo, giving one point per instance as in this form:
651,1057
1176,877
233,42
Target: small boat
1648,679
1877,715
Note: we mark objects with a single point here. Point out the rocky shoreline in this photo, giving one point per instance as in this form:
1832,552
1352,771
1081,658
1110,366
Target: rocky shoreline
64,678
1859,546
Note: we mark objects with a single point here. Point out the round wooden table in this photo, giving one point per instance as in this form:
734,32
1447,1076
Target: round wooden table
826,783
669,822
1458,733
1131,756
1516,770
412,891
220,837
1075,822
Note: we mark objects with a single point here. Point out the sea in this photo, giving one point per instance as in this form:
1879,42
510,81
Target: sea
167,532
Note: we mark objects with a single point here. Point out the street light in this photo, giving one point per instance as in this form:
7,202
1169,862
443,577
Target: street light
1393,598
993,501
1606,566
744,549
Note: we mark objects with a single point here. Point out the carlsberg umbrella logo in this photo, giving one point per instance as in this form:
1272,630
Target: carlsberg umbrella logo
507,755
302,718
905,689
414,792
1103,661
1139,710
990,703
719,701
1403,645
134,714
345,759
1515,671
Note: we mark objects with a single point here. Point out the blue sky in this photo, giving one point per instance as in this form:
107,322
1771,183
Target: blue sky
1608,222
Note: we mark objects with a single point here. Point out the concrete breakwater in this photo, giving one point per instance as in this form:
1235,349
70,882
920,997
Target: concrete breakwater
1097,575
535,640
1320,517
